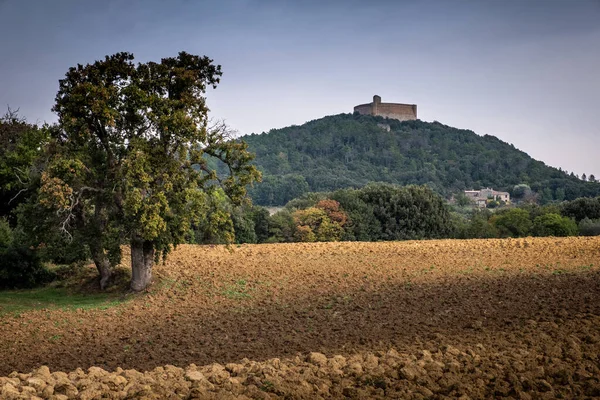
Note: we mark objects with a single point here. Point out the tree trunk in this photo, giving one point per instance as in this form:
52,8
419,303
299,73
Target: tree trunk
142,260
102,264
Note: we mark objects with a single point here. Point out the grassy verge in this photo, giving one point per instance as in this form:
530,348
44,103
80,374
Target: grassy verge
17,301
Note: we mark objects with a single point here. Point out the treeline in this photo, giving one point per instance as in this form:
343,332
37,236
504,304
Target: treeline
380,212
569,218
373,213
349,151
377,212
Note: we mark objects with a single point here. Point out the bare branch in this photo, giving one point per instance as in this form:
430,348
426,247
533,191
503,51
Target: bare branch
17,195
70,215
19,178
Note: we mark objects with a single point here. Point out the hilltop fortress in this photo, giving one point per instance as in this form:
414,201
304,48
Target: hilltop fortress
402,112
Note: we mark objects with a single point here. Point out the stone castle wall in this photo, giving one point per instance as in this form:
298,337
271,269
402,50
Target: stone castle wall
402,112
364,109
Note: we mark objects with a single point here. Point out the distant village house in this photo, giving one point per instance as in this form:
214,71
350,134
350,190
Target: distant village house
483,196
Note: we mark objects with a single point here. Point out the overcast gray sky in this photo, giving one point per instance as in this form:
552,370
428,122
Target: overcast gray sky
526,71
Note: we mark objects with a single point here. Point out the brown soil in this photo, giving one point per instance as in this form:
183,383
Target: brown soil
480,318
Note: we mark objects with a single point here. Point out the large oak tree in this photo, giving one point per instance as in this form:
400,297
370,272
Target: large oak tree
129,162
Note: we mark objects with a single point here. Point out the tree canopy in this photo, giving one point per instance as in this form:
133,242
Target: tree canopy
128,162
21,143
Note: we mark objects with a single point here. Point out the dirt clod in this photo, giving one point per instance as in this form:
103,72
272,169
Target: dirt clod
432,319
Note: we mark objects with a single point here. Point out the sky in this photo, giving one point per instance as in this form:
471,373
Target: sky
526,71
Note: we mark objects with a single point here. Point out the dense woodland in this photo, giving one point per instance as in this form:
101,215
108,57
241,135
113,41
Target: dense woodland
349,151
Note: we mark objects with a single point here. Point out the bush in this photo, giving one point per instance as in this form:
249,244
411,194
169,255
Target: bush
21,267
582,208
281,227
323,223
589,227
362,224
261,218
554,225
410,212
39,230
243,226
513,223
6,235
479,226
493,204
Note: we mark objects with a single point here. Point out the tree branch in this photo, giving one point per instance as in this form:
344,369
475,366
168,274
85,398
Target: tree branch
17,195
70,211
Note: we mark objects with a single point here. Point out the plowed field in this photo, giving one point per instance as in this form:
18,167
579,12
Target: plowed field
422,319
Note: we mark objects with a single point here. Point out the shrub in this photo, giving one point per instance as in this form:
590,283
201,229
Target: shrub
281,227
554,225
480,226
521,191
589,227
362,224
6,235
513,223
582,208
493,204
261,218
314,224
243,226
21,267
410,212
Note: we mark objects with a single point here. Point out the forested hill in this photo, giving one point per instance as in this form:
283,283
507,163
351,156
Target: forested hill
347,150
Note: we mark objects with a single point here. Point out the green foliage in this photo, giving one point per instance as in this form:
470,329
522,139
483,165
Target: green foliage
581,208
130,161
362,224
243,226
521,191
376,212
278,190
388,212
554,225
260,217
478,226
589,227
411,212
224,222
322,223
20,267
462,200
306,200
214,225
21,144
38,229
493,204
282,227
6,235
514,222
536,210
350,151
